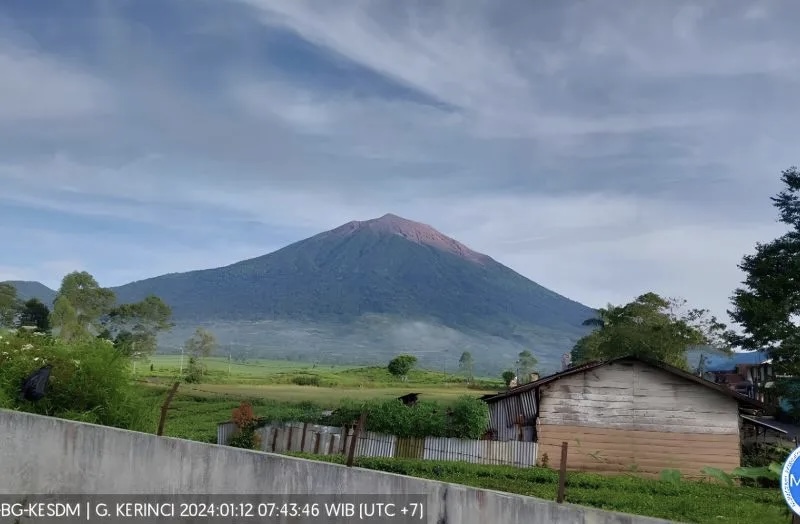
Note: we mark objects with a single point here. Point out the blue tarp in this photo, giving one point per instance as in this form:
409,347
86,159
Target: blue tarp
720,363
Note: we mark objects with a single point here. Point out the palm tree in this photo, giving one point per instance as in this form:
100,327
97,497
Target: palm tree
605,317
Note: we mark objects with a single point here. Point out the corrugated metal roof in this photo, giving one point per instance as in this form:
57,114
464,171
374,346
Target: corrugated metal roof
742,399
760,422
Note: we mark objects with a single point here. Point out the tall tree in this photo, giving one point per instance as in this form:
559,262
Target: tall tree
201,344
134,328
88,301
651,326
9,304
466,364
526,364
36,314
65,319
767,306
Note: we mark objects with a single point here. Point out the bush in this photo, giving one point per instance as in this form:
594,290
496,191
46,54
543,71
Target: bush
90,381
246,423
306,380
468,418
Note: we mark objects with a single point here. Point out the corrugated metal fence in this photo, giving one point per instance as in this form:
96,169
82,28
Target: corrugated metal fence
328,440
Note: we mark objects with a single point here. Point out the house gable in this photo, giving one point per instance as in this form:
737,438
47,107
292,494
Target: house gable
633,395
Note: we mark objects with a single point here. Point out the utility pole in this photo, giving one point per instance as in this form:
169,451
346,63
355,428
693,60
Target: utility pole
181,360
229,364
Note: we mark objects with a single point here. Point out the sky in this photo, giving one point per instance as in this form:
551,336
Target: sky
600,148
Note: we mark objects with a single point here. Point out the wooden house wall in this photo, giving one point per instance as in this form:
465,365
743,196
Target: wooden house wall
631,417
503,416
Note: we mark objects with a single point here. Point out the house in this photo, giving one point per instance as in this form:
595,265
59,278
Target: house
749,373
625,414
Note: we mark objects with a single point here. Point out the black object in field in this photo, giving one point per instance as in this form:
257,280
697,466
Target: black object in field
33,388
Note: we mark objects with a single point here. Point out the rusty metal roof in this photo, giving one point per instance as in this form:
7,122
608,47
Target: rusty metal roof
742,399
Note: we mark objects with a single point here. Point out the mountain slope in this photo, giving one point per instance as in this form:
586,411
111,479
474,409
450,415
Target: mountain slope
28,289
377,275
364,292
387,266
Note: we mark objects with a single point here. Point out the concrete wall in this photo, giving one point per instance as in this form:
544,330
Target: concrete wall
40,455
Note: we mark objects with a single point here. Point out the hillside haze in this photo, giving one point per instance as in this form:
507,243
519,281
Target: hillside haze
367,290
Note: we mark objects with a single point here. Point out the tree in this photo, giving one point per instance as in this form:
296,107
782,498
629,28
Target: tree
651,326
86,299
526,364
508,376
767,306
466,364
65,319
401,365
134,327
36,314
9,305
200,345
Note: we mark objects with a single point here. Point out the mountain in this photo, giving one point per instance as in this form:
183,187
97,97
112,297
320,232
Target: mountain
386,281
366,291
27,289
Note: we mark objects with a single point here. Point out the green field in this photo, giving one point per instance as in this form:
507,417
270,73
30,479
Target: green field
268,385
198,408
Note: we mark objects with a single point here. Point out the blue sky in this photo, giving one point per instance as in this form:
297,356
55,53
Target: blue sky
602,149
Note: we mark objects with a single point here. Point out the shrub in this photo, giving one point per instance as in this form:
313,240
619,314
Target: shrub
468,418
90,381
306,380
246,424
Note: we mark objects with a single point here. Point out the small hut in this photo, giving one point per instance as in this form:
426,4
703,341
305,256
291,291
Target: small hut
410,399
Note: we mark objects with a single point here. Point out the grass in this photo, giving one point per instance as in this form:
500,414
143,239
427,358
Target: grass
695,502
265,372
198,408
267,384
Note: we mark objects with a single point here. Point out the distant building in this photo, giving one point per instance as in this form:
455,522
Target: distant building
566,361
749,373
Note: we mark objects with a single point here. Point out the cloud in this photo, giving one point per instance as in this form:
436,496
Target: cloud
37,87
600,150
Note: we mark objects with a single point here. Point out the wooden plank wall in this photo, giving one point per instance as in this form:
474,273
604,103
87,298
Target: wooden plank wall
631,417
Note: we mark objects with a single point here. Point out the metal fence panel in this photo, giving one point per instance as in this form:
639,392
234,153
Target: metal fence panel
329,440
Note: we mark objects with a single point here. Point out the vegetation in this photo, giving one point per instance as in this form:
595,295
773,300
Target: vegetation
682,501
650,326
508,377
466,365
526,364
90,380
199,346
246,424
467,417
35,314
134,327
767,306
401,365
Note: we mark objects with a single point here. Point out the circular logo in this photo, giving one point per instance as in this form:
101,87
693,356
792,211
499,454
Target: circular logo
790,481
